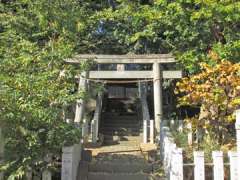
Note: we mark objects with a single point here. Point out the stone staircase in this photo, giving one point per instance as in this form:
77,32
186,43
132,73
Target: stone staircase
115,127
120,157
108,166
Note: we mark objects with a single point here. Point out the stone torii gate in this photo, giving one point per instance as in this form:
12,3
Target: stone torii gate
156,74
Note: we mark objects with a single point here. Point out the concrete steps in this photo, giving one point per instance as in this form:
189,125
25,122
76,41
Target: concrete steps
114,166
118,176
117,167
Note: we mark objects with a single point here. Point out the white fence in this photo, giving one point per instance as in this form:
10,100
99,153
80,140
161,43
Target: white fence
172,158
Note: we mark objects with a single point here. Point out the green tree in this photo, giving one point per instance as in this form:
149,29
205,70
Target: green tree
36,84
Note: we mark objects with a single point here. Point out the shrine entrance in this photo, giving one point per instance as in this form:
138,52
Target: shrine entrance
127,77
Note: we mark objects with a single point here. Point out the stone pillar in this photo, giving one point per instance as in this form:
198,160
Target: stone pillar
94,134
80,102
46,175
157,83
145,139
151,131
71,157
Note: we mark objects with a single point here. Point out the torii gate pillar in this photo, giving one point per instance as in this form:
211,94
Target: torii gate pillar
157,84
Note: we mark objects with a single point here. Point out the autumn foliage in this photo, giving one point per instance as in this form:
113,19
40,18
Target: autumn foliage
216,91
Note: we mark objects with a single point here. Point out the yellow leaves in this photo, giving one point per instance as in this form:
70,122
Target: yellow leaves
213,55
216,89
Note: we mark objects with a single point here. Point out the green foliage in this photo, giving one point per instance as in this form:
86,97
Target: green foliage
188,29
36,84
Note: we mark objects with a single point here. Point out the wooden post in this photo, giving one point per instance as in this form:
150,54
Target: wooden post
199,170
218,167
233,159
145,139
151,131
80,106
46,175
190,138
157,83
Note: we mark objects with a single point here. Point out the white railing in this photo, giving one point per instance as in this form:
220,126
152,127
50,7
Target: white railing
172,158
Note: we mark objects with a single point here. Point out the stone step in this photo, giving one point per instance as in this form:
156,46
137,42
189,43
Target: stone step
120,133
121,125
123,129
126,117
120,167
131,121
117,176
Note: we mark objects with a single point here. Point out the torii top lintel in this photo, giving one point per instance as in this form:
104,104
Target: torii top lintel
124,59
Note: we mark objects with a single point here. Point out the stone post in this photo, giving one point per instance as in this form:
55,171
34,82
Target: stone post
218,168
85,128
145,139
70,160
151,131
29,174
199,169
82,86
157,83
94,131
46,175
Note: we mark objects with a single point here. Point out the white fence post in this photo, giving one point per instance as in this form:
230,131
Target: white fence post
237,126
177,165
218,166
144,131
199,170
190,138
172,146
46,175
233,159
151,131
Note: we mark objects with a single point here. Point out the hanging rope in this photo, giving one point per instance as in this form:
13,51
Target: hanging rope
116,82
